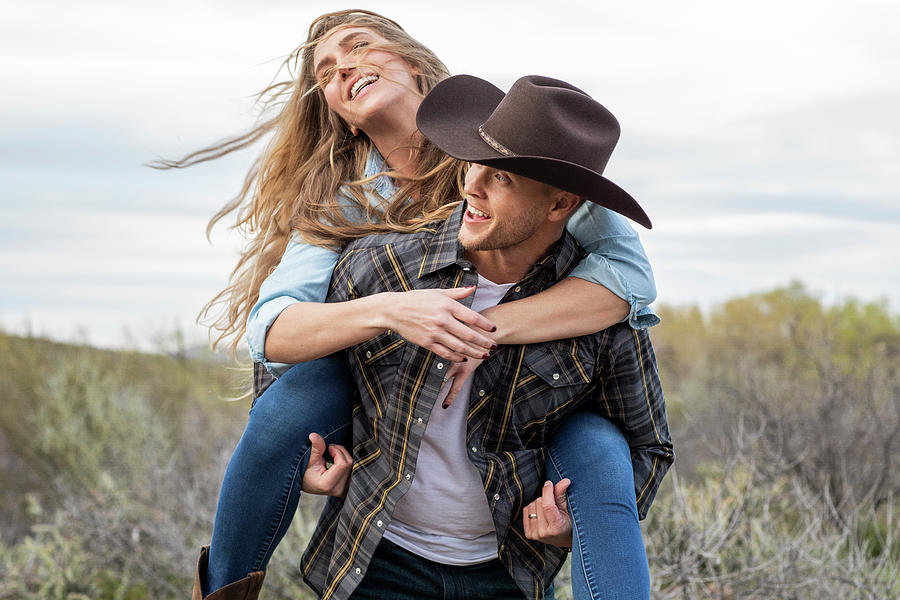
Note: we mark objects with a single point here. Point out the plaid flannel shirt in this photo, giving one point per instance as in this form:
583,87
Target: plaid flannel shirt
519,397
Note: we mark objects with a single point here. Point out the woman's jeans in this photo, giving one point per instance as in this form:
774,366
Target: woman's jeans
261,489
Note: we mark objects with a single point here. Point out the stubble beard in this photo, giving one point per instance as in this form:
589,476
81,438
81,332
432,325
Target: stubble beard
510,232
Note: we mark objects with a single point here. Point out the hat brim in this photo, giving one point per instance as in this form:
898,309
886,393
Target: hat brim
450,116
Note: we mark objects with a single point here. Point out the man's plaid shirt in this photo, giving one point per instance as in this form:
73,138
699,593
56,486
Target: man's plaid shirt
519,397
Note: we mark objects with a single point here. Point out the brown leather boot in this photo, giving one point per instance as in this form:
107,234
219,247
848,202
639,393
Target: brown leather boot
245,589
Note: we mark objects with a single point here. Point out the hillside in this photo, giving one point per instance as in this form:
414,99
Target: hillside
785,415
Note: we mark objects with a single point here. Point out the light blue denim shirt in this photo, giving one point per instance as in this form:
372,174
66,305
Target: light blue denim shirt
616,261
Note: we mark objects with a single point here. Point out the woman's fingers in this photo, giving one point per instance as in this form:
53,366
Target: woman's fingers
433,318
459,372
458,293
478,343
471,317
445,352
451,341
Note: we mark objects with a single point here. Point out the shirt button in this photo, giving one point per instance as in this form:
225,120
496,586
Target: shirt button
518,289
474,449
368,354
358,570
440,366
380,523
419,420
496,496
481,392
556,376
408,476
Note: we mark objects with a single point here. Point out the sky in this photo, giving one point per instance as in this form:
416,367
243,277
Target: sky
763,139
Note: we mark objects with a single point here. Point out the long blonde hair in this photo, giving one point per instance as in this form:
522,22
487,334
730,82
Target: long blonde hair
311,161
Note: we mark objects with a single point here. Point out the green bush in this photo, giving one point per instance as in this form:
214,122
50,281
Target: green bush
785,414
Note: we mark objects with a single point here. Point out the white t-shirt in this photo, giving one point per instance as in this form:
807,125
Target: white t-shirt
445,515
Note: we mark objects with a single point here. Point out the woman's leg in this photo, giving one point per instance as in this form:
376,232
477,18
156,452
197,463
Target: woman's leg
261,488
608,556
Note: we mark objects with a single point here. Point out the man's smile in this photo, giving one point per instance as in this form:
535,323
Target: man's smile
474,215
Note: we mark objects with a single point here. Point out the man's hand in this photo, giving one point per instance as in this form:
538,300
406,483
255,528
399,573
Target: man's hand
550,522
321,479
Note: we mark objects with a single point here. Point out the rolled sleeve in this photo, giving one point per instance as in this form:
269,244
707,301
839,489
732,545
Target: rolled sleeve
302,275
616,260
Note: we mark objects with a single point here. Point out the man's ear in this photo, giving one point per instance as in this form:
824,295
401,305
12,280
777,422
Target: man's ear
565,203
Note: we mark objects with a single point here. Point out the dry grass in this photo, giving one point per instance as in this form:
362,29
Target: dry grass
785,415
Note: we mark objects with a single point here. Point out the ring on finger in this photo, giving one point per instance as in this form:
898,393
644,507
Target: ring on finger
532,515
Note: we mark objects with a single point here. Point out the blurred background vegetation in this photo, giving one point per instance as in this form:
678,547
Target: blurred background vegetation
785,414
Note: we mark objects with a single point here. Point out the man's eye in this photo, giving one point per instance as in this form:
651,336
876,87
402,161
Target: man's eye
360,44
501,177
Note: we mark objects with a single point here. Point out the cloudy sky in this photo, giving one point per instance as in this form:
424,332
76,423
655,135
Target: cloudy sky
762,138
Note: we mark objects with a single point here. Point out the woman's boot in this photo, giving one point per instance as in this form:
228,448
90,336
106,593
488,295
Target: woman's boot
244,589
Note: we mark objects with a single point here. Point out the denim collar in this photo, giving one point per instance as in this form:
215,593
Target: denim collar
382,184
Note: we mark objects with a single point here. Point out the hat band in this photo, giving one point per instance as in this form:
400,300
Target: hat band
494,143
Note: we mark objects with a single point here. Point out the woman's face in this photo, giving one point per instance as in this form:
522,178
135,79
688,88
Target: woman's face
365,88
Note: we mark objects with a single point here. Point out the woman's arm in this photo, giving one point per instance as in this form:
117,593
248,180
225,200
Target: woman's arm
291,322
612,283
433,319
570,308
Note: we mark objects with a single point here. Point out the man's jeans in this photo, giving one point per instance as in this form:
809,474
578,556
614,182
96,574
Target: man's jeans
397,574
261,489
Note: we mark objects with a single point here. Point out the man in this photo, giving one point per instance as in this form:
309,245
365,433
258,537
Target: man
434,485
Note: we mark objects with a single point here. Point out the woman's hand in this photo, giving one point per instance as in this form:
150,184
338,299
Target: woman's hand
435,320
321,479
459,372
547,518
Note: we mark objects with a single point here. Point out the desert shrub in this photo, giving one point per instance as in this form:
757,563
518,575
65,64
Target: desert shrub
740,534
785,415
815,388
109,483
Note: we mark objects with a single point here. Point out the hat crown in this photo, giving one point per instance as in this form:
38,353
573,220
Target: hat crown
542,116
543,129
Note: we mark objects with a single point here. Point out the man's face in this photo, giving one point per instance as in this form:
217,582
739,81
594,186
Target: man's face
503,210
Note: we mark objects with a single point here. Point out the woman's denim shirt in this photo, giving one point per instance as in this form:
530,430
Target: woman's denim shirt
617,261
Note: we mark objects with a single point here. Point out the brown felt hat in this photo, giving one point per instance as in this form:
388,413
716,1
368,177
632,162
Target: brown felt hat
544,129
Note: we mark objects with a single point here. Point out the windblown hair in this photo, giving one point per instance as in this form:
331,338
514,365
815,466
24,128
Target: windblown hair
313,166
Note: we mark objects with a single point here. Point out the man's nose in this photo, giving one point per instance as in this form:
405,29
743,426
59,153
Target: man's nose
474,184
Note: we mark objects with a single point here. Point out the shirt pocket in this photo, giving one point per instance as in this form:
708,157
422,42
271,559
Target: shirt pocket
385,349
377,362
557,377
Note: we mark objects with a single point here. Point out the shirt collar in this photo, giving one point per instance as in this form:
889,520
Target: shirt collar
444,250
374,165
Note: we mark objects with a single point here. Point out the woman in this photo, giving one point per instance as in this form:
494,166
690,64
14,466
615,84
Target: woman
345,161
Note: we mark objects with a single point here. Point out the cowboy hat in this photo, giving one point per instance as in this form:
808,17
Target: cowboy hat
544,129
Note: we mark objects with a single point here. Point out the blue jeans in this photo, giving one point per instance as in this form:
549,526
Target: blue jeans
609,561
261,489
